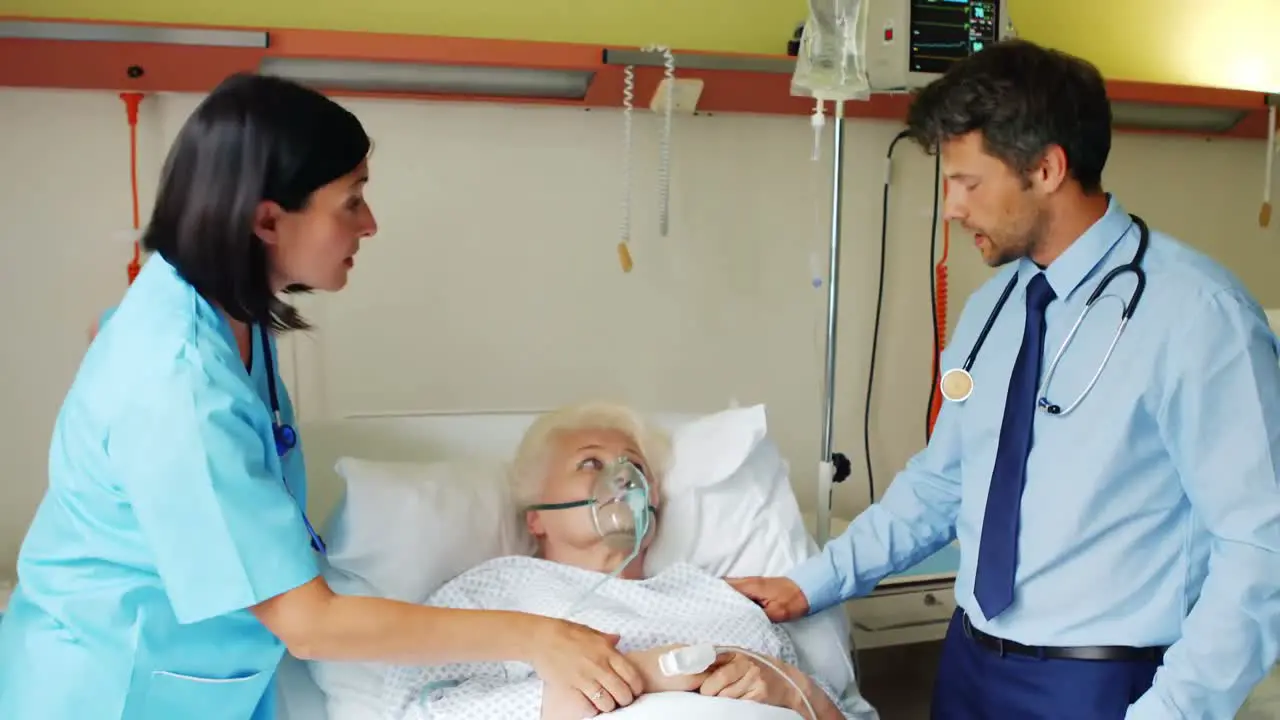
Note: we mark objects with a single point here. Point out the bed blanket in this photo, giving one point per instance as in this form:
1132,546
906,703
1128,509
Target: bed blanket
681,605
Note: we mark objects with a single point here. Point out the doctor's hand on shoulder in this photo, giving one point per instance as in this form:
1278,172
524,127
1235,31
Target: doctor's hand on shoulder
781,599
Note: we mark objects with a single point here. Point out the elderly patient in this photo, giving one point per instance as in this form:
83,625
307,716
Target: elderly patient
558,462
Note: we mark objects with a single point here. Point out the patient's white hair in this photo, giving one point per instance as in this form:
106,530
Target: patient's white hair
529,467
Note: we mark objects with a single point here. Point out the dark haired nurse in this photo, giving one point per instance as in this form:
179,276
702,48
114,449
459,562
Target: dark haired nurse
170,564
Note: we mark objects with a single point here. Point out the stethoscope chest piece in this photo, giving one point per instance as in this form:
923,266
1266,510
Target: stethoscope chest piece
286,437
956,385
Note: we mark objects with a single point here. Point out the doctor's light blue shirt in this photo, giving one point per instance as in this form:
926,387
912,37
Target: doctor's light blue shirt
1151,513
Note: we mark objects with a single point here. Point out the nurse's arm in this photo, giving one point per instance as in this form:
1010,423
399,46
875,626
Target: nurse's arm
914,518
226,535
317,624
1220,420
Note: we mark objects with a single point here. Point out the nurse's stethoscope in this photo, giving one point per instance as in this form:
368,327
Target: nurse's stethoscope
286,436
957,384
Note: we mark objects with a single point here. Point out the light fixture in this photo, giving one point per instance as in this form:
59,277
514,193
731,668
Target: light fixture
1152,116
95,32
703,61
393,77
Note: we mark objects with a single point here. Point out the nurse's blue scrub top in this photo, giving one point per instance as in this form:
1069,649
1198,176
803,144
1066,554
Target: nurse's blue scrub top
166,518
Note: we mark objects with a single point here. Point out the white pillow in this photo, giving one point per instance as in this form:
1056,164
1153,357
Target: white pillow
403,529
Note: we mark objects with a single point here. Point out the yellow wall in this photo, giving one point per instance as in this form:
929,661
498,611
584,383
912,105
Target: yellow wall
762,26
1225,43
1219,43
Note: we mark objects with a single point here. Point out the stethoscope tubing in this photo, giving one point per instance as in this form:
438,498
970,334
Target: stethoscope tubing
1133,266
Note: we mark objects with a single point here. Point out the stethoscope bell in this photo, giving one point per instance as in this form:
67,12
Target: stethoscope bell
956,385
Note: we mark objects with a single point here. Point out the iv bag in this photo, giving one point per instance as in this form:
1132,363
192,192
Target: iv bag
831,65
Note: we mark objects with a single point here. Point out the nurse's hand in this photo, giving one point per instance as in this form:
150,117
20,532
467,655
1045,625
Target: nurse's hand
571,655
781,598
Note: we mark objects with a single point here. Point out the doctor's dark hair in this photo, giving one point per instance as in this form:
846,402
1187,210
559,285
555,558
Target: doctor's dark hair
254,138
1023,98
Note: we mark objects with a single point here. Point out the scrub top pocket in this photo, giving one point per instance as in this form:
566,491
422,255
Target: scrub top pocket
173,695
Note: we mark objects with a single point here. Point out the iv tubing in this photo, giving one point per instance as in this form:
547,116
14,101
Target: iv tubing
813,714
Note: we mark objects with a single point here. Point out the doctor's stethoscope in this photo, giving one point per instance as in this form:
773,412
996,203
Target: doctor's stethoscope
957,384
286,437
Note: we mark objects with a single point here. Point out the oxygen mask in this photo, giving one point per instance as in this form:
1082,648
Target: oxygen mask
621,512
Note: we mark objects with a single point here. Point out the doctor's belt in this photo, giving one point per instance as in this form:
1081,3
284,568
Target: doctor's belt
1117,653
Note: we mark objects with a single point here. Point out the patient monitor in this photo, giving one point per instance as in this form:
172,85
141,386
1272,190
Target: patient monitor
910,43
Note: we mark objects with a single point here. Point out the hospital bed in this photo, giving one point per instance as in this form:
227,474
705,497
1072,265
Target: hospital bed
411,501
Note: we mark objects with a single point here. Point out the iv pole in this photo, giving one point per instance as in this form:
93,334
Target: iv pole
826,468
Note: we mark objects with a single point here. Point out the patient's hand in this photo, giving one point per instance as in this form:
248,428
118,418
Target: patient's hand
646,661
736,675
740,676
561,702
564,702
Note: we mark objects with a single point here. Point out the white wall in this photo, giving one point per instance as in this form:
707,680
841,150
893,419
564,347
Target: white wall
494,281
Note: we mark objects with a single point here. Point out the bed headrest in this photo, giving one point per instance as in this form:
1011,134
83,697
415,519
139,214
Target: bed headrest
422,438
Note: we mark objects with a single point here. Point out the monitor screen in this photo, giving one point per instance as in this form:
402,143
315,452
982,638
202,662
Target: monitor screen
943,31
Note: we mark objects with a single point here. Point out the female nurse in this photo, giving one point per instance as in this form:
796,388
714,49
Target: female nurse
170,564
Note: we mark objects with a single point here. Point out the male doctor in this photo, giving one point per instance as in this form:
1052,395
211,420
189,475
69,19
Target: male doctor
1119,558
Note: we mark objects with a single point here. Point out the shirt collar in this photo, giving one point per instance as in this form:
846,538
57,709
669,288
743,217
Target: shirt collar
1069,270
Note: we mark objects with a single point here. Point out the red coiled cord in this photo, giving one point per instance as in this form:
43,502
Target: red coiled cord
131,103
940,272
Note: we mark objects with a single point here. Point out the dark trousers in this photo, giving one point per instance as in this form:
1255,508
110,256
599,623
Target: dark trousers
977,683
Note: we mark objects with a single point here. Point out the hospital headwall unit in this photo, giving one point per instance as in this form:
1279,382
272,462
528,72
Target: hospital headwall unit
152,58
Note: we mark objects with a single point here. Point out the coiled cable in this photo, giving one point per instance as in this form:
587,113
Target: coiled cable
940,309
935,302
664,147
628,102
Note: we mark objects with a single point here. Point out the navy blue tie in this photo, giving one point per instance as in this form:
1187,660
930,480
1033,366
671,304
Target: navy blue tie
998,549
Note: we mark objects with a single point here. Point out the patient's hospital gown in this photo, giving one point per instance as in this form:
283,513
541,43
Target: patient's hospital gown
682,604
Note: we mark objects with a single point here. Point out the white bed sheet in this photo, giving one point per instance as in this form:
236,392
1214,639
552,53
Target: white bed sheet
665,706
301,699
297,695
